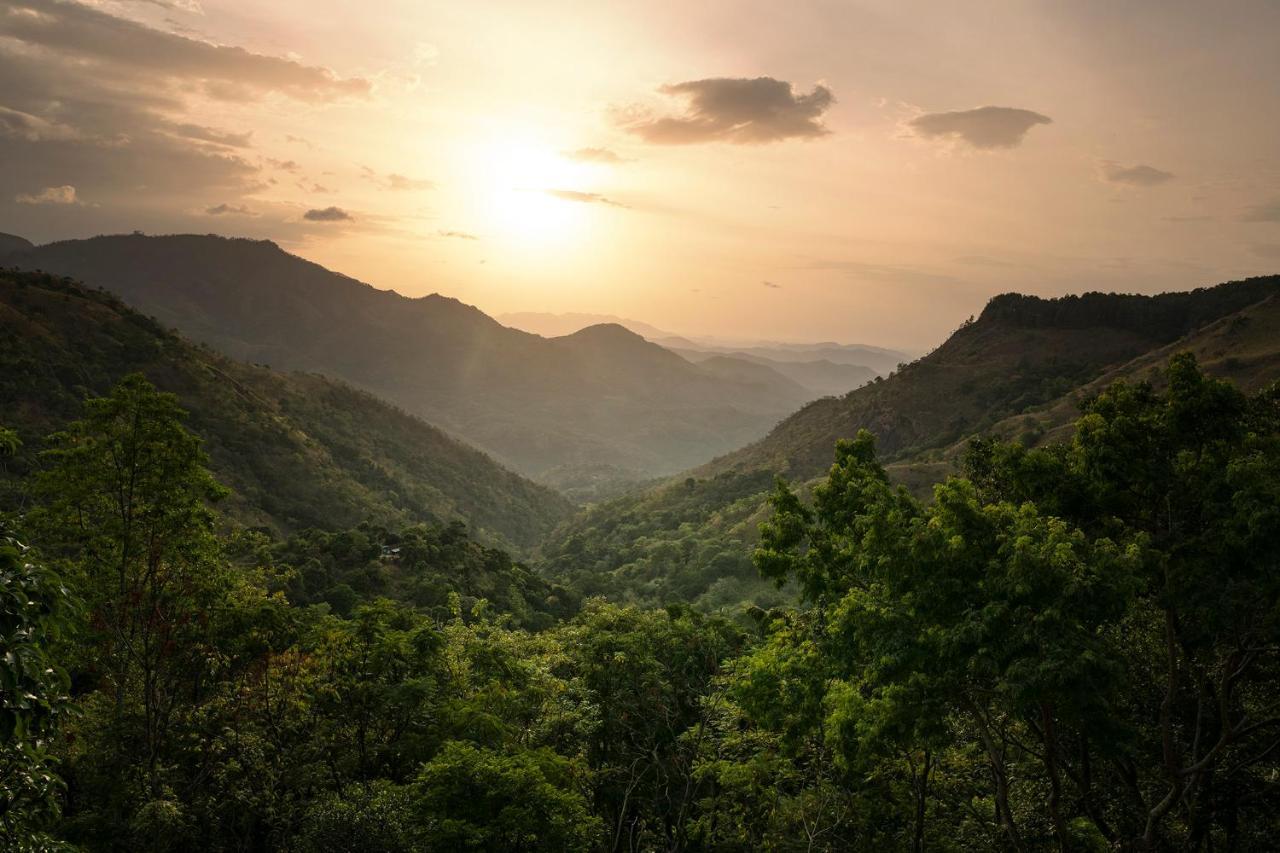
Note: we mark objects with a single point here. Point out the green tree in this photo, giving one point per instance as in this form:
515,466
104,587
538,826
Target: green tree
473,798
125,505
35,613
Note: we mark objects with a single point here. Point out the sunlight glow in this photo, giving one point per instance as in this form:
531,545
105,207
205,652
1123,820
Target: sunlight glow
515,182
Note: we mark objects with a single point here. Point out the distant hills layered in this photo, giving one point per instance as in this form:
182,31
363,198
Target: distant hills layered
1017,370
600,399
300,450
824,369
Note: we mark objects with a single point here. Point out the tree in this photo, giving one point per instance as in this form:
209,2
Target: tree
35,613
473,798
125,507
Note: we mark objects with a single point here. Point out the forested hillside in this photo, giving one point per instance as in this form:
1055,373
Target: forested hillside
1021,369
299,450
1071,648
547,407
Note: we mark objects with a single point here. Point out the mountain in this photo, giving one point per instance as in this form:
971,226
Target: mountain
299,450
1017,370
822,378
602,396
10,243
876,359
551,325
1021,352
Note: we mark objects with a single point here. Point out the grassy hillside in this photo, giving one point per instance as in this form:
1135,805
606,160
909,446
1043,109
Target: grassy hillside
299,450
1018,368
600,397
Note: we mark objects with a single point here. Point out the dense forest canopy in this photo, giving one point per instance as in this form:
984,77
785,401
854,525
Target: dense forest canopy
1069,647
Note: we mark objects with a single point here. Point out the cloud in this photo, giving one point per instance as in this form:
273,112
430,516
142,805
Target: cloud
400,182
593,155
985,128
212,134
1269,212
736,110
65,194
1137,175
113,107
327,214
461,235
283,165
1266,251
15,124
93,38
229,210
771,285
589,198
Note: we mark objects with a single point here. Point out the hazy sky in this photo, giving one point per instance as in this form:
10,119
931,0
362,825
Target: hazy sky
858,171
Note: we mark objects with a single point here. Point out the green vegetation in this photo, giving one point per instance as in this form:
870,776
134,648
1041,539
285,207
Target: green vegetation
298,450
1018,371
245,610
1073,647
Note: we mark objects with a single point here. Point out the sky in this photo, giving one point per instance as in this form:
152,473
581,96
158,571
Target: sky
853,171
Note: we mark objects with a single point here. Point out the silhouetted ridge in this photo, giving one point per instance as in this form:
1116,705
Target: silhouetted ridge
1166,316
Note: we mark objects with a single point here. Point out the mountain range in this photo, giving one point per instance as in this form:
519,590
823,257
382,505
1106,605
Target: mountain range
602,398
1018,370
299,450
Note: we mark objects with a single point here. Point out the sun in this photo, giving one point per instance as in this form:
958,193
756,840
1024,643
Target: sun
516,181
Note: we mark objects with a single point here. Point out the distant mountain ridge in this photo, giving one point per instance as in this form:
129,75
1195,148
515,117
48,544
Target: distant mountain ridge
608,398
299,450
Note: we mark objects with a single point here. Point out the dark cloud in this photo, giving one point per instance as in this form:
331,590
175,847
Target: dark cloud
594,155
985,127
590,198
65,194
229,210
771,285
1137,175
1269,212
105,104
283,165
96,39
736,110
327,214
461,235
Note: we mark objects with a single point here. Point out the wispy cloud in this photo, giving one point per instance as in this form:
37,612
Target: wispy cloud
1137,175
65,194
594,155
589,198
